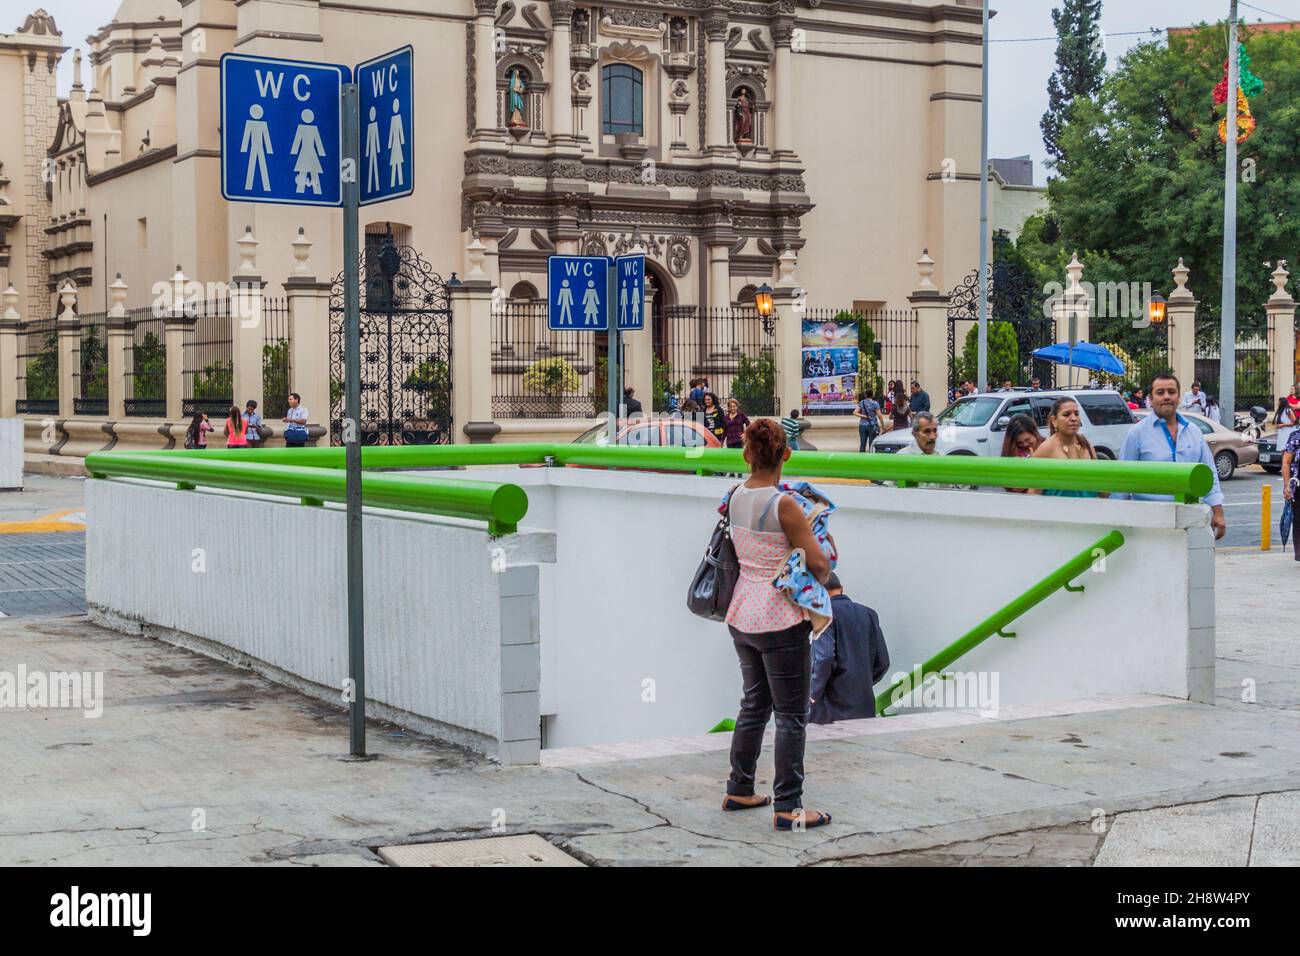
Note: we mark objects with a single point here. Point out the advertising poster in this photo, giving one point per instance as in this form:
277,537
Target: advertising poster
830,365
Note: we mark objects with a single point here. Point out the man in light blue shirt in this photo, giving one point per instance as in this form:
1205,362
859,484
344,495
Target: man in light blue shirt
1165,435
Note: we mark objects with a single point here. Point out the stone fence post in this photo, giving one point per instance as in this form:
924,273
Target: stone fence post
11,323
247,330
931,308
1281,314
68,327
471,351
309,337
117,340
174,329
1180,313
1074,301
790,302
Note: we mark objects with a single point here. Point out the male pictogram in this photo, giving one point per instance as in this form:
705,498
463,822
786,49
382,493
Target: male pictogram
257,143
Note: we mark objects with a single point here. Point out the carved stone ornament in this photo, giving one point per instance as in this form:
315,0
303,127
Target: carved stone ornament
679,256
562,11
485,7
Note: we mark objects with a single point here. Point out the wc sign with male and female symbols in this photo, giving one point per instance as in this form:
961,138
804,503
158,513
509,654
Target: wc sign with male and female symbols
582,296
282,129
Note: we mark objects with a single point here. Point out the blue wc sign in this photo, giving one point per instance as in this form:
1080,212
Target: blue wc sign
386,85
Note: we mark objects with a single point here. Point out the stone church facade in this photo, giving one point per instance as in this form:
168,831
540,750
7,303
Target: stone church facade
859,144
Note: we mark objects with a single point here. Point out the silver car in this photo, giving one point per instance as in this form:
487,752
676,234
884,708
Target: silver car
974,425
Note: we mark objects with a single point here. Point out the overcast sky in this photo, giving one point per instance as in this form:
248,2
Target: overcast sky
1018,71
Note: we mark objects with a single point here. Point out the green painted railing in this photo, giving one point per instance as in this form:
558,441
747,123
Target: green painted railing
997,622
500,504
1185,482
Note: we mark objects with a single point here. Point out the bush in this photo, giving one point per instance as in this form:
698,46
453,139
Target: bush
215,381
432,378
551,376
275,379
755,385
43,371
1004,355
149,367
664,384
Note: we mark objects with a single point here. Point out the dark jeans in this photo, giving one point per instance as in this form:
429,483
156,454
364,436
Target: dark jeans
866,437
776,670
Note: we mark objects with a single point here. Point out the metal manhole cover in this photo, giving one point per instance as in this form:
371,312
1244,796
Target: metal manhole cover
524,850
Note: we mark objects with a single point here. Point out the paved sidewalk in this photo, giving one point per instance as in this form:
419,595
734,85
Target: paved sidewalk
194,761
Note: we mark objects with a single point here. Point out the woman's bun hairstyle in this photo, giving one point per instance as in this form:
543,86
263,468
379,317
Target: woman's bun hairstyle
766,444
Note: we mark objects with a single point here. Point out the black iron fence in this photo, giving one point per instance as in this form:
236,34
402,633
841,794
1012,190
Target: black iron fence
276,377
208,368
1254,353
733,349
887,347
38,368
538,373
90,366
1142,347
146,365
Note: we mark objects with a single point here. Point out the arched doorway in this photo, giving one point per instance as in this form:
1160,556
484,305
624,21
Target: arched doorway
661,299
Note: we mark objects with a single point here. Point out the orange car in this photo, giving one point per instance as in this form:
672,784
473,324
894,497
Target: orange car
653,433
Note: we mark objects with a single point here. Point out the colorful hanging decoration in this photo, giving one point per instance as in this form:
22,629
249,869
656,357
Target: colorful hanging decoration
1248,86
1245,121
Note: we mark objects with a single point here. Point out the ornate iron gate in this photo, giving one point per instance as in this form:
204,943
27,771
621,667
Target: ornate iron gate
1013,298
405,349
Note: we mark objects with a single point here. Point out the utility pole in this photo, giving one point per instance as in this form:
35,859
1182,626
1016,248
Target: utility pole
1228,337
983,359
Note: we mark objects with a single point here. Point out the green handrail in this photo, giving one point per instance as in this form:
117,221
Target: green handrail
500,504
1185,482
998,621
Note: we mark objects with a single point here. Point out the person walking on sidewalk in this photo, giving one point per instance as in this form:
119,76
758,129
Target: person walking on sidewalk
1290,478
770,632
734,424
868,415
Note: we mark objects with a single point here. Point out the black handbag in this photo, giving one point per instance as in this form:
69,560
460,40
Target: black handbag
715,579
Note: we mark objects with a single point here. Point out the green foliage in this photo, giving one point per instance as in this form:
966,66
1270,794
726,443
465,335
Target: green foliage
149,367
216,380
432,379
94,364
43,371
551,376
664,384
1004,355
275,379
1080,66
755,385
1141,179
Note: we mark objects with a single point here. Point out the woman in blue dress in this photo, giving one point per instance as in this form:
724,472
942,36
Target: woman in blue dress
1067,443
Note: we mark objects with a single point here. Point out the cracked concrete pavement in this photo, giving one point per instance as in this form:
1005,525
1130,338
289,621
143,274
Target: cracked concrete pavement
196,762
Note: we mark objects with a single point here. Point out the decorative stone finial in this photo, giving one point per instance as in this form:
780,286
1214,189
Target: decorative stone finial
76,69
1075,271
477,252
68,299
785,265
117,292
1180,272
10,298
1280,276
925,269
301,250
178,291
247,252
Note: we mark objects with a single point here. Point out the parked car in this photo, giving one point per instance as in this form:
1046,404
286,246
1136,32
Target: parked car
670,432
1270,456
1231,450
974,425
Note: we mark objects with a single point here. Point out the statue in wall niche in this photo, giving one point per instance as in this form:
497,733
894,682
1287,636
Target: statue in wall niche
677,35
516,101
742,118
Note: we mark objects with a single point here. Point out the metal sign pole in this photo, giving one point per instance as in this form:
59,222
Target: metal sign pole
982,355
1228,306
352,419
615,345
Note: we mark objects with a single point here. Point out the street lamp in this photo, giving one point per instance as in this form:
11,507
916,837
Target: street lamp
1156,308
763,303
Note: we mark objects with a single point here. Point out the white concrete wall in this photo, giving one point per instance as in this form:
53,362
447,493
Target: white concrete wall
932,563
448,616
11,454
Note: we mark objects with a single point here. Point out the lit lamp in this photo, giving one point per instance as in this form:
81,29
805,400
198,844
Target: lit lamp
763,302
1156,308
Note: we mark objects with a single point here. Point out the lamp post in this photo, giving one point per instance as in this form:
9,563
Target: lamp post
1156,309
763,302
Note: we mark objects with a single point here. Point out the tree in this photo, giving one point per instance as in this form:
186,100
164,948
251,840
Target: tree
1004,355
1080,67
1142,179
149,367
275,378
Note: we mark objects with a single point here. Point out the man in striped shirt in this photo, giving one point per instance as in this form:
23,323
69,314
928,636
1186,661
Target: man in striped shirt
793,428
